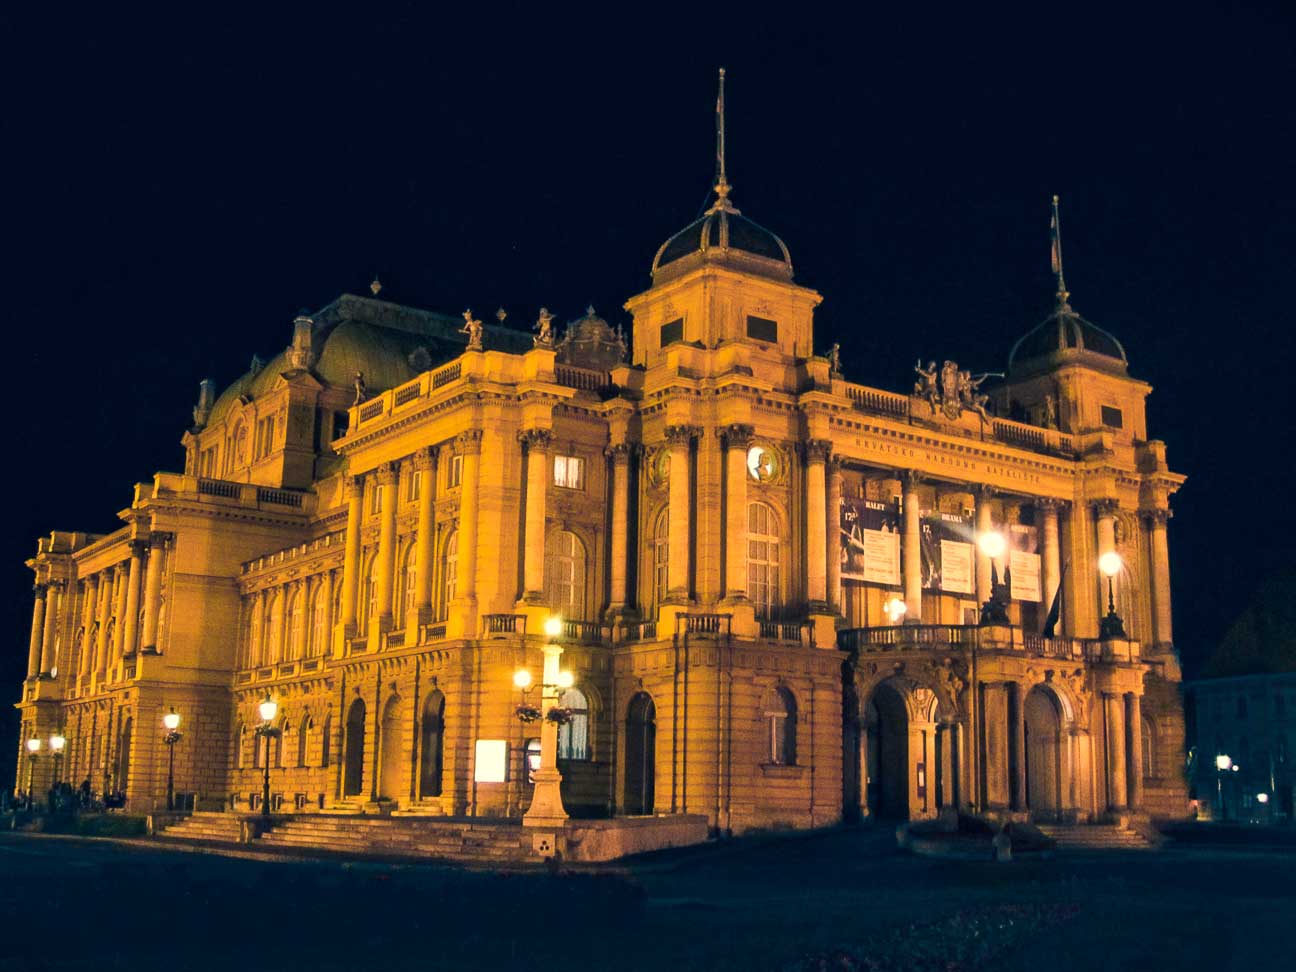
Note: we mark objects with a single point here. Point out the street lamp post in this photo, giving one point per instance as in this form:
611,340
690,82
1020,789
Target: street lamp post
1222,764
171,721
268,710
995,610
56,744
546,808
1111,626
33,747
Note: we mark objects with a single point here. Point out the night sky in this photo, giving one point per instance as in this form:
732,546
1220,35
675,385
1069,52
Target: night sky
179,187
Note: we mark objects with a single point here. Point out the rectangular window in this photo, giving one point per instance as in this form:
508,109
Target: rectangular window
762,329
341,421
569,472
415,482
456,472
672,332
375,502
1112,418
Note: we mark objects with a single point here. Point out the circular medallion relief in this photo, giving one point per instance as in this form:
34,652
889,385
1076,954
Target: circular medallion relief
659,467
764,463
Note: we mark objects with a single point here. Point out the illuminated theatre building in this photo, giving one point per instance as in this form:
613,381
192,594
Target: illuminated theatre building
768,577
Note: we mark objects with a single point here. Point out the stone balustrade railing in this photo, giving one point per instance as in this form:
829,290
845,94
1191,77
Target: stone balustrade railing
908,637
222,492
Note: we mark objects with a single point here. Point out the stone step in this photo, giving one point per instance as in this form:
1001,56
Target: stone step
1096,837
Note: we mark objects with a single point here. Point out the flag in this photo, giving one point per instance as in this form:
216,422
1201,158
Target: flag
1055,612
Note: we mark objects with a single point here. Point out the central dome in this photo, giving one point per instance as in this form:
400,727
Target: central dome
727,237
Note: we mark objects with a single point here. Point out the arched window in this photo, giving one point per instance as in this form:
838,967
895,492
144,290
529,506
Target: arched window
763,561
661,557
320,628
406,590
449,572
565,574
302,734
1149,768
270,652
296,624
780,718
573,736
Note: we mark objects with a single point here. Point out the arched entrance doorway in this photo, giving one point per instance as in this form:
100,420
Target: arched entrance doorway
389,759
123,757
353,758
887,720
641,753
1043,721
432,734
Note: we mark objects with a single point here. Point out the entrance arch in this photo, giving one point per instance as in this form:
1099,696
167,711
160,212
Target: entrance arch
640,754
431,740
389,757
887,720
353,757
1044,764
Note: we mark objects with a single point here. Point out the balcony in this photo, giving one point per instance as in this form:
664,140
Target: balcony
221,492
1005,638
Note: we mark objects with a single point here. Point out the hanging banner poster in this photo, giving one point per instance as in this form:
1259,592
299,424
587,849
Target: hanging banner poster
1024,563
870,541
947,553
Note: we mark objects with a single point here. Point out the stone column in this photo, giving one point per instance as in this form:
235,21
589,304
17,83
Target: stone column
53,597
737,441
833,536
537,490
425,469
817,452
984,524
134,580
37,632
1017,708
1114,710
89,599
679,437
386,563
121,593
351,564
1050,550
105,609
469,444
1134,748
911,547
1160,576
620,456
994,723
153,592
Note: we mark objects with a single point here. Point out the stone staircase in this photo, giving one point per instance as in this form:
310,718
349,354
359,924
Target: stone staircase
224,828
464,841
1086,837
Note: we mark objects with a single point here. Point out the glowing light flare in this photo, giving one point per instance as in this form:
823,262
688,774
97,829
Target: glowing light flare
1110,563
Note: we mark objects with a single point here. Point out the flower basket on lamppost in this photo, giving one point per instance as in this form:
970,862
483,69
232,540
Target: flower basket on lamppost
1111,626
171,721
267,731
546,808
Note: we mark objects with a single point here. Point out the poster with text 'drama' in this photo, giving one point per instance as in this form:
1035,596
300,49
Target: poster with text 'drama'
870,541
947,553
1024,563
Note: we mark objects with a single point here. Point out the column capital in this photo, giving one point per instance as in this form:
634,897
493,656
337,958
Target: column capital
138,548
424,459
1048,504
386,474
1105,507
736,436
537,440
835,464
910,478
38,590
354,486
817,450
619,452
468,442
1155,518
681,434
983,492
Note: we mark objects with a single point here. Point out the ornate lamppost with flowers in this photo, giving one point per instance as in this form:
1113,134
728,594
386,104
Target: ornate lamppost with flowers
546,808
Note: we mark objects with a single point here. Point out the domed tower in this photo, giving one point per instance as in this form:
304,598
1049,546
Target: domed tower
723,278
1070,374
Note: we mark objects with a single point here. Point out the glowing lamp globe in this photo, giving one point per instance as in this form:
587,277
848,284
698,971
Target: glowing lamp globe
553,626
1110,563
521,678
33,746
1223,763
57,743
565,680
1262,798
268,709
171,720
992,544
895,609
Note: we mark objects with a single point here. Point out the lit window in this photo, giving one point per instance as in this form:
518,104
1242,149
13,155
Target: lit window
780,717
763,557
450,573
456,472
573,736
661,557
565,574
532,751
569,472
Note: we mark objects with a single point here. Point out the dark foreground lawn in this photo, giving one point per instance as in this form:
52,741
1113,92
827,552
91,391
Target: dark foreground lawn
843,900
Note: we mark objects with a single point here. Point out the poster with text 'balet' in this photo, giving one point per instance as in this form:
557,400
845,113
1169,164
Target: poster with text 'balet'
870,541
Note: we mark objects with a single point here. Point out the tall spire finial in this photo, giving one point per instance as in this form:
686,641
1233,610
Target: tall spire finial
722,183
1055,235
